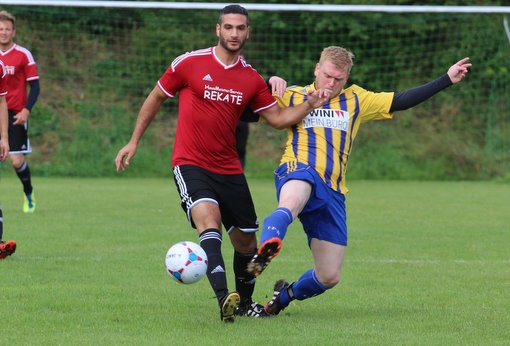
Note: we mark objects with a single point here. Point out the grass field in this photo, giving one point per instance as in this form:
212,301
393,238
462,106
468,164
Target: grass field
428,263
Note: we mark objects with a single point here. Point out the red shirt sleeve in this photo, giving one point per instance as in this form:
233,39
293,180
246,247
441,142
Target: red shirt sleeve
263,99
172,80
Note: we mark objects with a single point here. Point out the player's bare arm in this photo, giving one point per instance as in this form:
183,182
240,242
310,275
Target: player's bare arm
281,118
146,115
459,70
4,141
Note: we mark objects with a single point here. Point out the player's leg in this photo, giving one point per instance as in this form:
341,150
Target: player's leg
245,246
326,229
207,219
23,172
19,145
328,259
240,219
294,195
294,191
200,204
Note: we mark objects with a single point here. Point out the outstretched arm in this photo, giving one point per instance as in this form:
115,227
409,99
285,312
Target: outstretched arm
281,118
458,71
277,85
147,113
412,97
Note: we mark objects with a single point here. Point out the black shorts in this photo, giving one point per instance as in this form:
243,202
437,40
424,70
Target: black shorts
19,143
229,192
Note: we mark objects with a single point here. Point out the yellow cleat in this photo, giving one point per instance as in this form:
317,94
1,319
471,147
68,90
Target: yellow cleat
228,306
29,203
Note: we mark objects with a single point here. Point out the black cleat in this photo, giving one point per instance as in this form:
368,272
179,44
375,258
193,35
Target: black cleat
273,307
252,309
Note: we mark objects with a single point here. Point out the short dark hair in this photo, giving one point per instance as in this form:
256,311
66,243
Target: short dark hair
233,9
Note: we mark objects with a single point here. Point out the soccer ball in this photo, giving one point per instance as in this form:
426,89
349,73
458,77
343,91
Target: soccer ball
186,262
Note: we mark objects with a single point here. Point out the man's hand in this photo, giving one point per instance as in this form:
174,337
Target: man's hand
124,156
4,149
22,117
278,86
459,70
317,98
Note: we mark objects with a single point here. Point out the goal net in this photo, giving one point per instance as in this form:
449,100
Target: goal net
97,64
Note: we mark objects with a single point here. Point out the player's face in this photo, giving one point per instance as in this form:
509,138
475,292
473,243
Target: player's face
7,32
330,77
233,32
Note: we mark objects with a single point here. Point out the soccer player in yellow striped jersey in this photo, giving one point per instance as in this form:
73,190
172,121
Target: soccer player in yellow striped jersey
310,182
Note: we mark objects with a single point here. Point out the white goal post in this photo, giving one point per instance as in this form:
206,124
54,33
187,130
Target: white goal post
266,7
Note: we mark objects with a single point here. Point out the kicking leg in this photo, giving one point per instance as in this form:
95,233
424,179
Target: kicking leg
294,195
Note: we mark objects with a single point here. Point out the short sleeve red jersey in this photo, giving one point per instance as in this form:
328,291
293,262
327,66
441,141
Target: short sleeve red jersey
3,80
212,97
20,67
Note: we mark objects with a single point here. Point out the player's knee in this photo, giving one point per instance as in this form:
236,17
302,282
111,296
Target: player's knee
244,242
16,161
329,279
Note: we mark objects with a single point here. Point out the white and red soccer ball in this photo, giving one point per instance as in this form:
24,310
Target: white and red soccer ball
186,262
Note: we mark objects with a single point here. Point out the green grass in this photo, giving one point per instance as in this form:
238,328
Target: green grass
427,264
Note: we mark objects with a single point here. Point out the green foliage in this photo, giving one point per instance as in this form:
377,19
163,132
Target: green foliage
98,64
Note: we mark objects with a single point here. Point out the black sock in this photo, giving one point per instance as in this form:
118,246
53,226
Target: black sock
210,241
1,224
24,175
245,282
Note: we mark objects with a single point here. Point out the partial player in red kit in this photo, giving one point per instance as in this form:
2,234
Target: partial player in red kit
21,71
215,85
8,247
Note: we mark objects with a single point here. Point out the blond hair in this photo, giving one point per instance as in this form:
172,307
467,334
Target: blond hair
338,56
6,16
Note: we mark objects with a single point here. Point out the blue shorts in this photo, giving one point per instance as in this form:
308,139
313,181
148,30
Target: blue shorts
324,216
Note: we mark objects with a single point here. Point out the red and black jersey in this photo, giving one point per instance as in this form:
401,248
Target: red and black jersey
212,97
20,67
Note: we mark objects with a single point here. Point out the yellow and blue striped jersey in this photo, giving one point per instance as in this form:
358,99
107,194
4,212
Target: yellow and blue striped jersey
323,139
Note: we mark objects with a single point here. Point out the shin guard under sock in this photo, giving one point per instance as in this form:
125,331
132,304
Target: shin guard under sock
245,282
276,224
210,241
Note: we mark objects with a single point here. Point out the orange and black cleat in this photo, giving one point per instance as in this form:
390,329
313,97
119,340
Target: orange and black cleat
266,252
7,248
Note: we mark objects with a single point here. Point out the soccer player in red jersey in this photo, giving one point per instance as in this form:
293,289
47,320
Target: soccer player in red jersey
215,85
6,248
21,70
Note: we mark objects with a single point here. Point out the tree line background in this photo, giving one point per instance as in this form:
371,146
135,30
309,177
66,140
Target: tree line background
97,65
